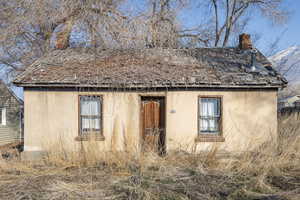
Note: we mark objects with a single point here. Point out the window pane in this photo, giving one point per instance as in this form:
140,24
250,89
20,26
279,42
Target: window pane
213,125
96,124
203,124
90,106
204,111
210,107
88,123
209,125
85,123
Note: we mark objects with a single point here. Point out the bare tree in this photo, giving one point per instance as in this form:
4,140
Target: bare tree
272,47
27,27
228,16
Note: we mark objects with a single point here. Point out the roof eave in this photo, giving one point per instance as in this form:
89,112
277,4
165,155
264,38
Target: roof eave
245,86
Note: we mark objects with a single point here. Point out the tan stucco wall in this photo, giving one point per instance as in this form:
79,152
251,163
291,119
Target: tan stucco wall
249,118
51,118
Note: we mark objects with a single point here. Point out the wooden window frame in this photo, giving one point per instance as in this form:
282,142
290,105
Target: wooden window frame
95,135
210,137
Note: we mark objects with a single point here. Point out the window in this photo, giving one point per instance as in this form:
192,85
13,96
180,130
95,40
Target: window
3,116
209,116
90,116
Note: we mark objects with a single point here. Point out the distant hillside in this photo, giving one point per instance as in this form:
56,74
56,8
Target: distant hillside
288,63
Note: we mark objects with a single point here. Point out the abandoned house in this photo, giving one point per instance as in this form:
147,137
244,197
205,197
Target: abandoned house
11,111
151,99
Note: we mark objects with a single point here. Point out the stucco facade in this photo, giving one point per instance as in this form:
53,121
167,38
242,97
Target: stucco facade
249,118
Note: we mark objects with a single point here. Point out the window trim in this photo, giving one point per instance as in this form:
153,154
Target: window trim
210,137
97,135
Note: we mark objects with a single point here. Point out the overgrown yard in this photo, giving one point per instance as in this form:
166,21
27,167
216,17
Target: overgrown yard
271,172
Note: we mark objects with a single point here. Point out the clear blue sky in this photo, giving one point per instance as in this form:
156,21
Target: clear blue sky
290,31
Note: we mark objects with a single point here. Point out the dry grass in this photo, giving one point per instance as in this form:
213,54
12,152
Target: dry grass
270,172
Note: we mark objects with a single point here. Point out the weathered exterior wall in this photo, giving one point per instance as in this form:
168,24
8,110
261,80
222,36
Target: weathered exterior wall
51,118
249,119
11,132
55,120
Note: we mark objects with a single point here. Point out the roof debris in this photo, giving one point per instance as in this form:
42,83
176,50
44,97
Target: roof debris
129,68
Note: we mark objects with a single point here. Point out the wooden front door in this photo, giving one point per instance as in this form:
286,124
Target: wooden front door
153,124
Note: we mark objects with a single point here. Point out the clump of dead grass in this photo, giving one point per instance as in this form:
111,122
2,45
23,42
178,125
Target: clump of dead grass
272,171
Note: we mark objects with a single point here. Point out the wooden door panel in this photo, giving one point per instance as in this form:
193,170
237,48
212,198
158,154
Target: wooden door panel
151,125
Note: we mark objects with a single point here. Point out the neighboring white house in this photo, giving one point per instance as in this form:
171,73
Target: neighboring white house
11,117
289,102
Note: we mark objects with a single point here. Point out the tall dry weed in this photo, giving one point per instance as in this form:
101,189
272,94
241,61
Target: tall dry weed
270,171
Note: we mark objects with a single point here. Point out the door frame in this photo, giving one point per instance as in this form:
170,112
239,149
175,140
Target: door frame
141,119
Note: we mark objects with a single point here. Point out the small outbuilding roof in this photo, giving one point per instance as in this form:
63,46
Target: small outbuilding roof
152,68
5,91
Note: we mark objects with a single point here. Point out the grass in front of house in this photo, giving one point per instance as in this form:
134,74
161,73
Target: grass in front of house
270,172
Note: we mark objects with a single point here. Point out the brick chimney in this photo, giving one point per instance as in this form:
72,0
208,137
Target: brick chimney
62,37
245,41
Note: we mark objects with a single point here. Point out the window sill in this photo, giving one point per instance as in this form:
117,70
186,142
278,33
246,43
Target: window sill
209,138
90,138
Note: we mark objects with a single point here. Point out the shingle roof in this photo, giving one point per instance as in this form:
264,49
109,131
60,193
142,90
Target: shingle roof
201,67
6,92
